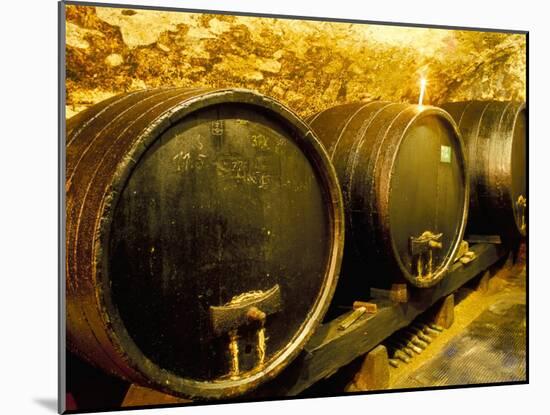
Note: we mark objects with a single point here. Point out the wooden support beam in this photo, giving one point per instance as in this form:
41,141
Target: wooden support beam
483,283
330,348
486,239
142,396
399,293
370,308
374,373
445,314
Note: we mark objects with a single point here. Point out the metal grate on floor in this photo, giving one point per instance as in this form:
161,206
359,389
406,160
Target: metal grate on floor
490,350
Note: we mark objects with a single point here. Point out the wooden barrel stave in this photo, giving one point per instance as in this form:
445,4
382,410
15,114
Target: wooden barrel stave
104,154
85,197
369,136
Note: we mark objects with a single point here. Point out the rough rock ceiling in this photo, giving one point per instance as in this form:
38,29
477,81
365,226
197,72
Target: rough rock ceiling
308,65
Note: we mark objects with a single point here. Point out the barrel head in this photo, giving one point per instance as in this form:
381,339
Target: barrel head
427,196
225,202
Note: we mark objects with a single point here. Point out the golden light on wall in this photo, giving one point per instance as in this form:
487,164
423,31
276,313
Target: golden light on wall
308,65
423,83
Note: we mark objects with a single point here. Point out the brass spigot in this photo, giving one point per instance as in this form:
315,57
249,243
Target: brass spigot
423,246
243,309
522,203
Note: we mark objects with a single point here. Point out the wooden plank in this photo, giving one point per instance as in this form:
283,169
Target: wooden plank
445,316
375,371
142,396
331,348
489,239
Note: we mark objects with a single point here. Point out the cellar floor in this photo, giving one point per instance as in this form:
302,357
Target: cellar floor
485,344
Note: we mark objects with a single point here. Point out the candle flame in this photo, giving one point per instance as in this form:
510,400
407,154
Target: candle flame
422,90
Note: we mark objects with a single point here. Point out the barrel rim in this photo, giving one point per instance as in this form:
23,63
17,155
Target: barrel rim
521,108
306,139
422,111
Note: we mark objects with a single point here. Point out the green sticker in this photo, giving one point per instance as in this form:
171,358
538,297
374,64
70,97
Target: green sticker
445,154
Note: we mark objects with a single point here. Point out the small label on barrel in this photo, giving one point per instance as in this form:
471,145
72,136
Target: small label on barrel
445,154
216,128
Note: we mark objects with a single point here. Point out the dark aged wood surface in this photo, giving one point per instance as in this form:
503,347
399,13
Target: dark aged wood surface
402,171
331,348
495,135
181,200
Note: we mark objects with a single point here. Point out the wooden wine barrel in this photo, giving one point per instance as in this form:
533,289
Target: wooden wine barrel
495,136
405,188
204,238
